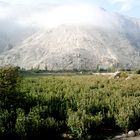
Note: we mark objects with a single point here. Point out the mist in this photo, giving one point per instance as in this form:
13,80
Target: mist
49,15
74,14
18,21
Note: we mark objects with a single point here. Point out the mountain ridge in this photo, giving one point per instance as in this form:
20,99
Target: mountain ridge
80,46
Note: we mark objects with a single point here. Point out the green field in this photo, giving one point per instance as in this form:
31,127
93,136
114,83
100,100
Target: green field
77,107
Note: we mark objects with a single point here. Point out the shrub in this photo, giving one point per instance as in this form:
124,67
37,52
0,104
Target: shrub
10,95
137,72
82,124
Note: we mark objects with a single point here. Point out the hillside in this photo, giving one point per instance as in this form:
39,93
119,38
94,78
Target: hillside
112,40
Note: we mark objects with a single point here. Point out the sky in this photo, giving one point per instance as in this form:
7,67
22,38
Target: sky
126,7
45,14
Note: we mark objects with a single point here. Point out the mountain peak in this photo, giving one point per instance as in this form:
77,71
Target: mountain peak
94,39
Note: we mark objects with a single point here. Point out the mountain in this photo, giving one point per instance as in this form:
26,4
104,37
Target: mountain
112,40
11,32
13,37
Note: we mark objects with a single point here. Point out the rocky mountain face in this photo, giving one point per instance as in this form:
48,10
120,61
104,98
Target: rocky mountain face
11,32
13,38
111,43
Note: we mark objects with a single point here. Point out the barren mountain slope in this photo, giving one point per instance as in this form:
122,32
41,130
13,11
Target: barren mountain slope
85,46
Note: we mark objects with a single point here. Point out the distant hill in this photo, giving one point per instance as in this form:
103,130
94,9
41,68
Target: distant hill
112,40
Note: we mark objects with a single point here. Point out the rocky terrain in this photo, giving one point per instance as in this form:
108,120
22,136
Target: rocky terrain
131,135
112,40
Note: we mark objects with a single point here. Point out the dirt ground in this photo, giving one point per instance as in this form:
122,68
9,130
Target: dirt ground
134,138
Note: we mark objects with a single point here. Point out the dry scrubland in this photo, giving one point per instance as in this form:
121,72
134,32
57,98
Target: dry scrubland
72,107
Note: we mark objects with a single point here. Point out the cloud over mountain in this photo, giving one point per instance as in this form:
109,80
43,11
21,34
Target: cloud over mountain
76,37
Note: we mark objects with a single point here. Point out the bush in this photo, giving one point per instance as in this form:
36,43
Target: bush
81,107
10,80
10,99
82,124
20,123
137,72
124,74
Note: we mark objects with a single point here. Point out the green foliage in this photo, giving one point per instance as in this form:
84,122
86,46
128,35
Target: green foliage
9,87
137,72
81,123
20,123
10,99
82,106
124,74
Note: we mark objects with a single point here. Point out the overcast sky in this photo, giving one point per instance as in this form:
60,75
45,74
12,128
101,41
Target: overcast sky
126,7
52,13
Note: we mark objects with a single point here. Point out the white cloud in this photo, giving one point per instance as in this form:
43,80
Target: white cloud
54,15
50,15
126,5
23,15
69,14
